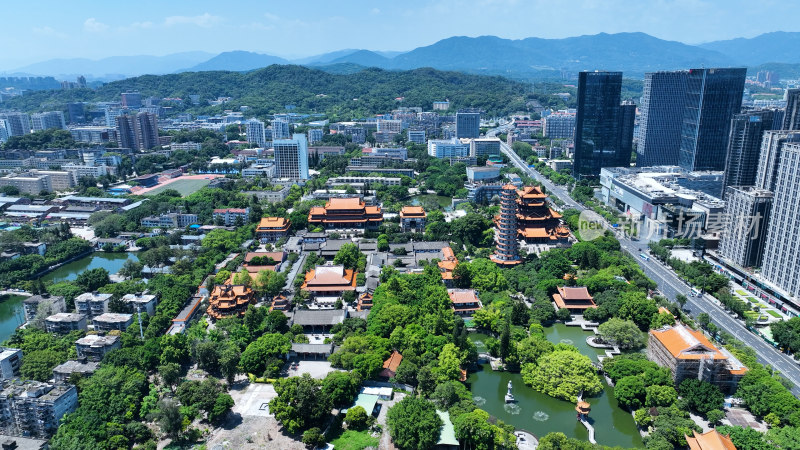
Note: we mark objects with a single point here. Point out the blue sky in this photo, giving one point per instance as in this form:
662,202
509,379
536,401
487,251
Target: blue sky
39,30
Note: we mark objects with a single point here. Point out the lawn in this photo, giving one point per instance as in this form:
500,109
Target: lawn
184,187
752,299
773,313
355,440
741,292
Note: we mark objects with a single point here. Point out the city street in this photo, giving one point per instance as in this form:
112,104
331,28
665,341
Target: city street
671,285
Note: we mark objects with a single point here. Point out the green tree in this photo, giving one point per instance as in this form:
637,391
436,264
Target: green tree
623,333
450,360
562,374
413,423
169,418
630,392
660,395
38,365
300,403
348,256
255,356
313,437
356,418
701,396
637,307
341,387
473,430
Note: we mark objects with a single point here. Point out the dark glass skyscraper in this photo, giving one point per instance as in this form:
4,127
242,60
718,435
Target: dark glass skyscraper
791,120
744,147
468,124
661,118
713,96
603,127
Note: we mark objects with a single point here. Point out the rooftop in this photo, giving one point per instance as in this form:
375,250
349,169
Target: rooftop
710,440
94,340
318,316
113,318
685,343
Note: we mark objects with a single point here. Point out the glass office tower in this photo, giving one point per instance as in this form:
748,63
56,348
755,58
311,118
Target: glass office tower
603,138
661,118
713,96
744,147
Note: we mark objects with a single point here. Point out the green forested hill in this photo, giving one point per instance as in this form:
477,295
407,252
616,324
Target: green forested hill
342,96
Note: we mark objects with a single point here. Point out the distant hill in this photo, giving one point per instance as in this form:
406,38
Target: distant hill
114,67
777,47
342,96
632,53
525,59
238,61
364,58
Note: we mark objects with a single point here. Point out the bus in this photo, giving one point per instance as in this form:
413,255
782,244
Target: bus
644,257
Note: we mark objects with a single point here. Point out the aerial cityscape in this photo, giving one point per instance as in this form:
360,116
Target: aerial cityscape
427,225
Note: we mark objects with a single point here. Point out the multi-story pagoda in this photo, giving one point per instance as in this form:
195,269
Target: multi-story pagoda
536,222
507,249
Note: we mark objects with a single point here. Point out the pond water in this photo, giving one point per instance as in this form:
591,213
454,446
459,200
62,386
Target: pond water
444,203
11,314
541,414
112,262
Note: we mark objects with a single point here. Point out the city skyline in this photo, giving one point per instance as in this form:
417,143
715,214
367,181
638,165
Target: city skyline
99,31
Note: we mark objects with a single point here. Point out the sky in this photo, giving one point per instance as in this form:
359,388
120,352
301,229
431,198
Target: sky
46,29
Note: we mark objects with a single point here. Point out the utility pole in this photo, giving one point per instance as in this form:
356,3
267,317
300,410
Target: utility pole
139,310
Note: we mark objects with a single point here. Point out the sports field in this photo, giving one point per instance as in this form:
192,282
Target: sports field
183,186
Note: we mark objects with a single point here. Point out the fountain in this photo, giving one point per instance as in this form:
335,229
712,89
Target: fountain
509,396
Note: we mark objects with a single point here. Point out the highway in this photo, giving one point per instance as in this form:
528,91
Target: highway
671,285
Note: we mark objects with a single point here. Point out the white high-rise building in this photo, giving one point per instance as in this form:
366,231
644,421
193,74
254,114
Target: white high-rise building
780,263
390,126
3,131
314,135
770,156
280,129
255,132
291,157
17,124
48,120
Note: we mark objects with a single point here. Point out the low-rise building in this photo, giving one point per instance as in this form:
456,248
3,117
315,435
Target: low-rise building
318,320
63,323
112,321
272,229
341,213
63,372
92,304
575,299
482,174
32,408
329,281
94,347
10,362
229,300
141,302
413,219
48,304
229,215
169,220
688,353
710,440
464,301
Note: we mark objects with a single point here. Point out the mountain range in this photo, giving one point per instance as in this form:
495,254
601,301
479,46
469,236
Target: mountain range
530,58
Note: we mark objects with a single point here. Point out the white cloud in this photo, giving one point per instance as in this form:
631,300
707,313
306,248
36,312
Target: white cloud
272,17
94,26
47,31
375,11
205,20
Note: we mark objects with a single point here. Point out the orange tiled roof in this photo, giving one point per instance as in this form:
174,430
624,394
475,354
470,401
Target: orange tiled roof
344,203
685,343
273,223
462,296
573,304
574,293
394,361
330,278
711,440
412,211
